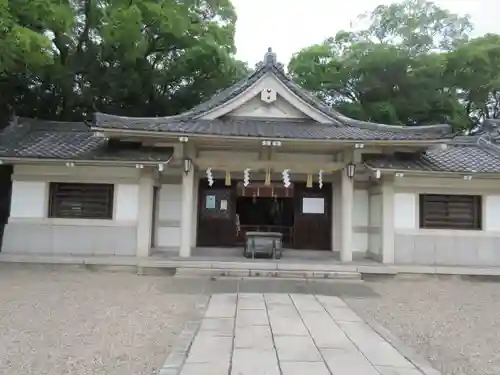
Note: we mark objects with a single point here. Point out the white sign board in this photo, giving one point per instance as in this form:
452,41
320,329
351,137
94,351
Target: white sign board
313,205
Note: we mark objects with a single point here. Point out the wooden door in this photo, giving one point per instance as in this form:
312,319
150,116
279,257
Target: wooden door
216,215
312,217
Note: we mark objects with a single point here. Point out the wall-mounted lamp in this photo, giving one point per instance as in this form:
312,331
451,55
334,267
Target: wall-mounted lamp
160,167
188,165
183,139
378,174
400,174
468,178
351,170
359,145
139,166
70,164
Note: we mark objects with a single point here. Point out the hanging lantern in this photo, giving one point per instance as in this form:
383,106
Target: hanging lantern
320,178
309,181
210,177
267,181
228,178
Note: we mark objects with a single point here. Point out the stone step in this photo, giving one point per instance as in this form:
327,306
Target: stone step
256,273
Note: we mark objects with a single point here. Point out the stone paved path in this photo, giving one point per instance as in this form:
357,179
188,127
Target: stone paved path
288,334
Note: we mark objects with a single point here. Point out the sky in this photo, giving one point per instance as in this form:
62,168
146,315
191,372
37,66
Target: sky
290,25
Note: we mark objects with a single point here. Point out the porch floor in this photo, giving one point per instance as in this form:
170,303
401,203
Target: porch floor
235,254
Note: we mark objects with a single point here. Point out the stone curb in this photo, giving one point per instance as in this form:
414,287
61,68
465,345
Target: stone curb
422,364
175,360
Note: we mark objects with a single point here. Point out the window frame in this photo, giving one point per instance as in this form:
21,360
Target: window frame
448,222
106,196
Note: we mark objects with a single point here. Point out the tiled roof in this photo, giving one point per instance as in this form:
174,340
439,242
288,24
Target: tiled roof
30,138
464,154
189,122
254,127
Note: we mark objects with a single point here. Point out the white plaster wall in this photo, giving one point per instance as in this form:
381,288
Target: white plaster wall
405,211
257,108
413,245
375,222
360,221
491,213
28,199
31,231
126,202
169,215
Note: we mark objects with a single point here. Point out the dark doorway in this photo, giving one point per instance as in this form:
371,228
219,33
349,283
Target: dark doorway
266,214
5,196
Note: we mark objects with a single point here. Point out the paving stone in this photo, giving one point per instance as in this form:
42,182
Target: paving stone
329,335
343,314
255,367
221,368
210,349
342,362
283,311
252,318
220,311
248,355
384,354
287,326
386,370
304,302
254,361
304,368
331,301
277,299
251,301
247,334
360,333
256,337
296,348
218,326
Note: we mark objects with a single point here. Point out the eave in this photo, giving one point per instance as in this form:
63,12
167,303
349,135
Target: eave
107,132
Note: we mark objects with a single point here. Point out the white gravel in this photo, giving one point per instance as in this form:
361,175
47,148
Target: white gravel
453,323
78,322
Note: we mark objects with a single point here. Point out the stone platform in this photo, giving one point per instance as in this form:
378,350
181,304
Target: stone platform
285,334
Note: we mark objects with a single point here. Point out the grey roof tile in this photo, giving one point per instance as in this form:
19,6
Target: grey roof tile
29,138
270,128
463,155
190,118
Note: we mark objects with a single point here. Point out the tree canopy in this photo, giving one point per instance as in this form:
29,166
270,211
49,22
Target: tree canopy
63,59
413,63
410,63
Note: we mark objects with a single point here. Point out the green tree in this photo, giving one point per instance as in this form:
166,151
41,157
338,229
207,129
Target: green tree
130,57
393,70
473,73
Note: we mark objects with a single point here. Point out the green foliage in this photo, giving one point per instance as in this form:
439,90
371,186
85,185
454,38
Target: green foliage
411,65
64,59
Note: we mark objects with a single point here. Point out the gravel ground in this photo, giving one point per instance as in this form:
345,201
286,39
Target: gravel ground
71,321
452,322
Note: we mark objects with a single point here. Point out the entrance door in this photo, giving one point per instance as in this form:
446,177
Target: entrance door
313,221
216,215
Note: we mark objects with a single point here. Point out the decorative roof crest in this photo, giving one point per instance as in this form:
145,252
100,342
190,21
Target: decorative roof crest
270,60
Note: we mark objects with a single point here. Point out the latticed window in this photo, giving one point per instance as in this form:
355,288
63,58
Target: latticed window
83,201
439,211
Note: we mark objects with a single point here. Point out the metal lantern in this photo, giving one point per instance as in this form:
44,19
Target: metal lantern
351,170
188,164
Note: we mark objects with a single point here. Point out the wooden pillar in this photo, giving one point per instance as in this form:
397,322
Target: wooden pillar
145,217
347,196
187,213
